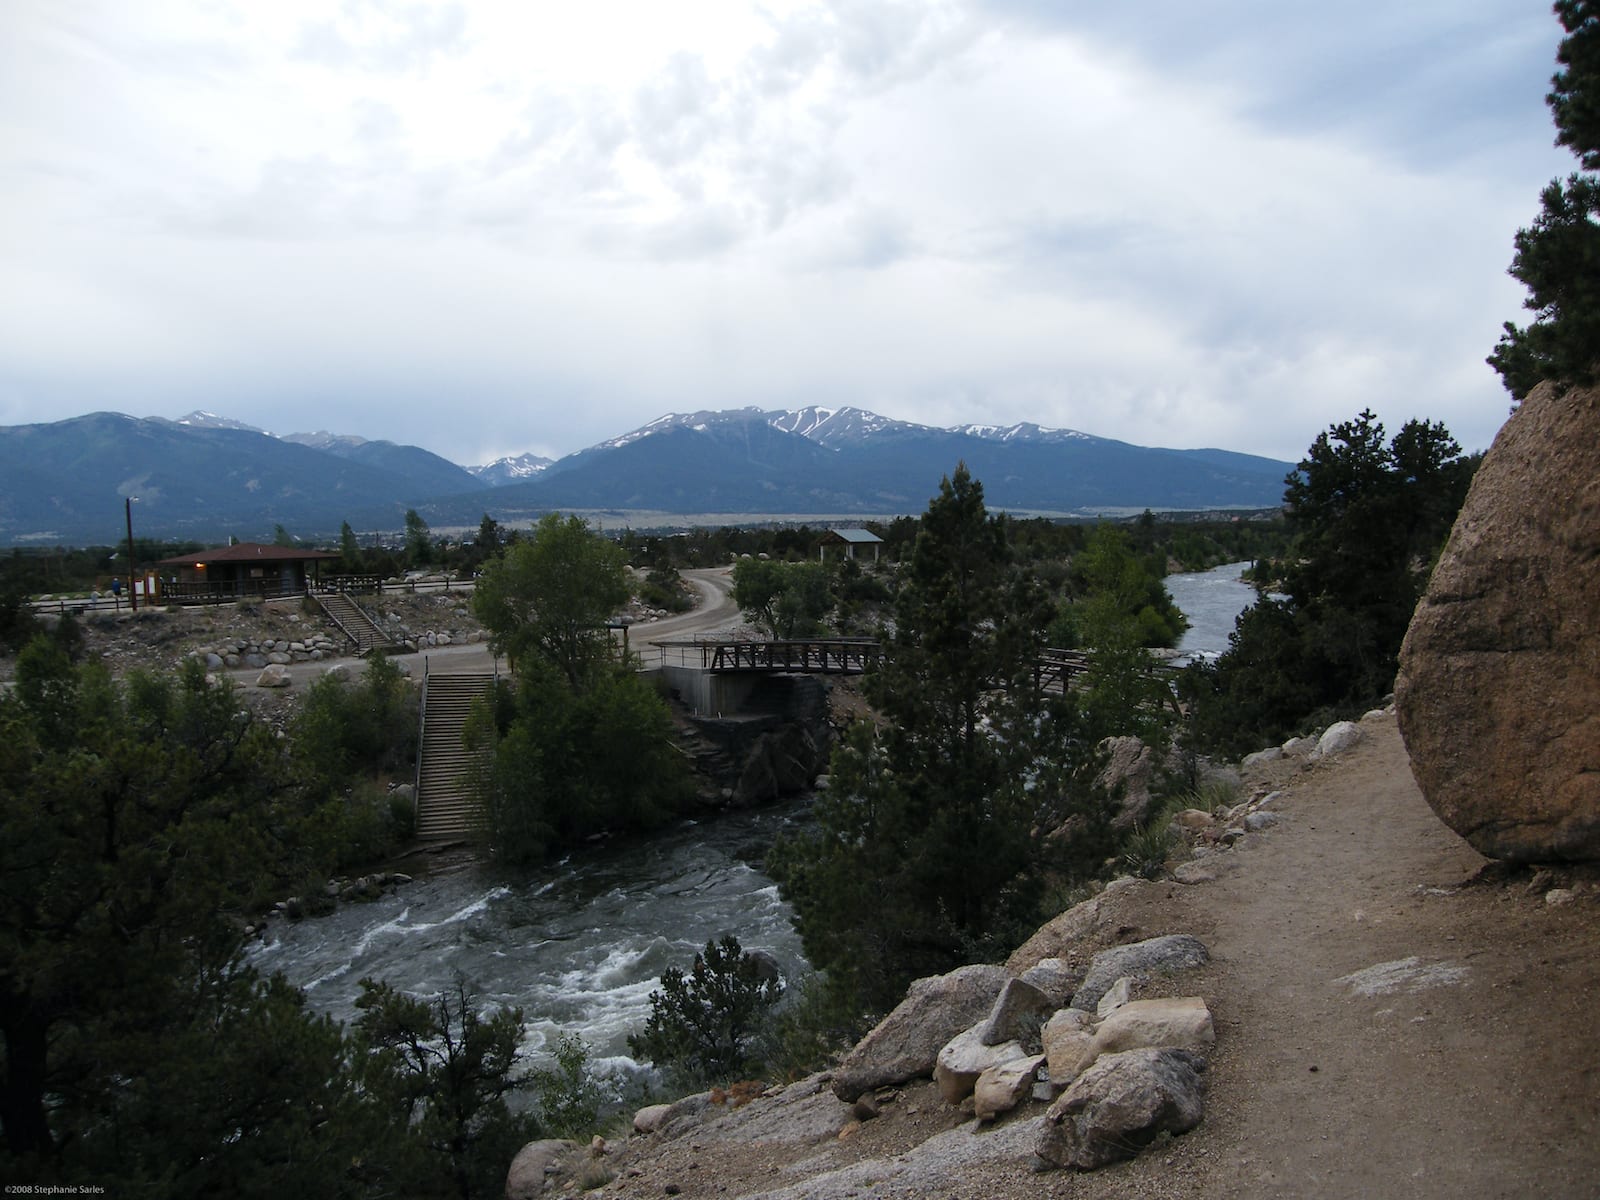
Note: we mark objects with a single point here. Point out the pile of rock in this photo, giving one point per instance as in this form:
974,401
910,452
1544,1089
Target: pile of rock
424,622
237,653
1115,1071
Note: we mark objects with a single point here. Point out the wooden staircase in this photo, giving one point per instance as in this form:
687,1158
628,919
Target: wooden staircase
447,805
367,635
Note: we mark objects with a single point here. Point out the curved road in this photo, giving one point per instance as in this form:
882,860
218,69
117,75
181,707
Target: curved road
715,611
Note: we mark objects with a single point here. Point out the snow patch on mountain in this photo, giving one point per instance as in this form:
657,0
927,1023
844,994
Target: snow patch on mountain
1025,431
511,468
201,419
323,440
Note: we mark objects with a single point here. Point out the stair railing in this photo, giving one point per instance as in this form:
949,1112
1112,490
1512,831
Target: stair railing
422,737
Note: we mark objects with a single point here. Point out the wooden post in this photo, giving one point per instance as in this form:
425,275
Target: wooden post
133,600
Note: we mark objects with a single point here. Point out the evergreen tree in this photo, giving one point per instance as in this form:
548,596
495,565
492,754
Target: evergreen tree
704,1023
925,846
419,544
488,539
1558,258
349,550
1369,515
446,1070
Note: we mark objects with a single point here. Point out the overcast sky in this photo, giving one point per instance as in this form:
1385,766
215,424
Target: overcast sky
492,226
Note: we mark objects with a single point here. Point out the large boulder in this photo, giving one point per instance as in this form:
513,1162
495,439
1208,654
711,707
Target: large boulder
965,1058
526,1177
1129,767
906,1043
1019,1011
1138,960
1067,1037
274,676
1120,1104
1001,1088
1498,695
1182,1024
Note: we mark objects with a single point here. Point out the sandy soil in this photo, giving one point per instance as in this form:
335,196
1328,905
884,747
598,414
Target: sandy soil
1465,1068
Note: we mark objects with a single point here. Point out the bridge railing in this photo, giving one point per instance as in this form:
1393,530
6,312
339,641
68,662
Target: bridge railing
826,656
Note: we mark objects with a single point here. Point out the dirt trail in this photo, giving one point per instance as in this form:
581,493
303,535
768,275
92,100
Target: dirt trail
1466,1067
1470,1074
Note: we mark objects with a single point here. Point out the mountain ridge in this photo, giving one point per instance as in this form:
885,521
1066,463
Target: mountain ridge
204,475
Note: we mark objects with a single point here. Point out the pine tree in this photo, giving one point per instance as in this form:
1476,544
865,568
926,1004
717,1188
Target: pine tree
1558,257
925,846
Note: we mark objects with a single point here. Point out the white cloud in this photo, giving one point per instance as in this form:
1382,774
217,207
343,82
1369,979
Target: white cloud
1217,225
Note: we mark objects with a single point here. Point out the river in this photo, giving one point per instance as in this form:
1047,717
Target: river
581,944
1212,600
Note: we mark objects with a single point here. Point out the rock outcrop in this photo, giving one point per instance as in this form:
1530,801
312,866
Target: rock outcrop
1498,695
906,1043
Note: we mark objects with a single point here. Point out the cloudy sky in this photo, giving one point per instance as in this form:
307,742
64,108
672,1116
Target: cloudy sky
491,226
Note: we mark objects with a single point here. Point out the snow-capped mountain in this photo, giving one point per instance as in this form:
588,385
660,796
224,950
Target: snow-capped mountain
1027,431
849,460
838,428
200,419
204,474
511,469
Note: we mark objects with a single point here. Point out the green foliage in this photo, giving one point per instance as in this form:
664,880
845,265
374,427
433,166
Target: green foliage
582,744
813,1027
447,1071
1121,597
787,599
419,543
1558,258
240,1092
664,588
550,598
345,731
349,550
1369,517
136,823
923,852
1122,610
17,622
1147,848
568,764
704,1025
140,823
569,1098
488,541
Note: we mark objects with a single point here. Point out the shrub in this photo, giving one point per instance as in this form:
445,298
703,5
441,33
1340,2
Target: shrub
704,1025
1147,849
569,1097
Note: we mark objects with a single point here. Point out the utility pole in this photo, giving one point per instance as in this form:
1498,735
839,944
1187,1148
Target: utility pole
133,598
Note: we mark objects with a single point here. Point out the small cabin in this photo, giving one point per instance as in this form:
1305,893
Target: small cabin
849,540
245,569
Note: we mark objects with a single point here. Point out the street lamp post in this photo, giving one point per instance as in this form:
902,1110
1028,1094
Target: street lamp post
133,599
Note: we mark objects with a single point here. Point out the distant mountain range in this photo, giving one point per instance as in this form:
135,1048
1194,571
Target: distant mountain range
204,476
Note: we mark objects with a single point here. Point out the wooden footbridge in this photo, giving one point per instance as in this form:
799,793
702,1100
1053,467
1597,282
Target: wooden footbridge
707,672
809,656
